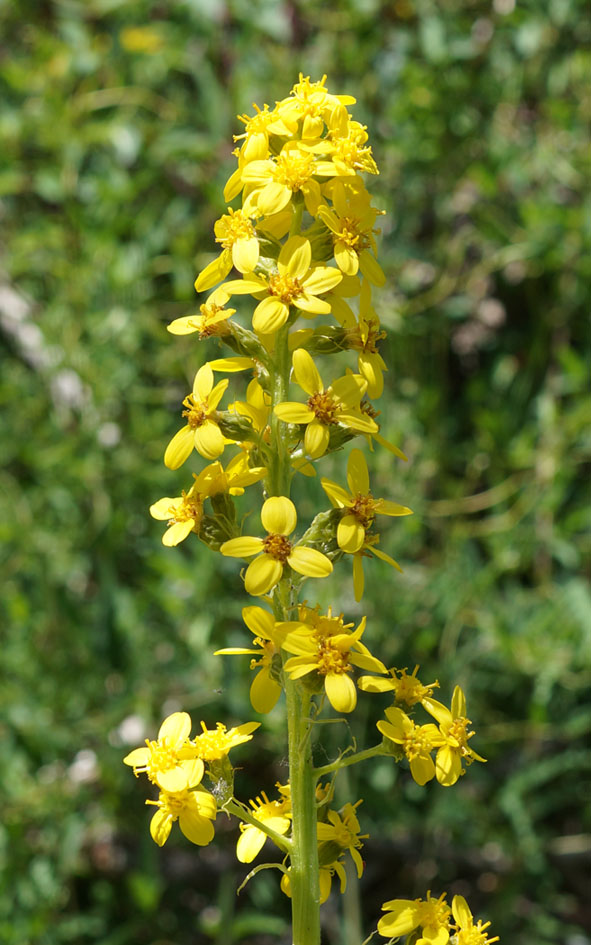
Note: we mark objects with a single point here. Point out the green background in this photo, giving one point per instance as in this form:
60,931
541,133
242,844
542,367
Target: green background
112,164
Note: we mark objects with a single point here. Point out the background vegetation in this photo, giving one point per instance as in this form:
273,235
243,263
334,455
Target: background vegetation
116,122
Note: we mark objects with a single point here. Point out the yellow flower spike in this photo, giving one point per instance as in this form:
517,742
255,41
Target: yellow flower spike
257,130
202,431
360,504
279,518
265,689
407,689
430,915
453,726
296,283
273,814
468,933
338,404
417,742
333,657
194,811
170,761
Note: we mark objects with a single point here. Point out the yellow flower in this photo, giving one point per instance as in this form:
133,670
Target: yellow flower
266,688
214,744
257,130
273,814
453,726
214,479
201,431
407,689
194,811
341,835
417,741
466,932
211,322
273,182
351,221
312,104
184,514
279,518
349,151
404,915
295,283
363,336
361,507
171,761
332,656
338,404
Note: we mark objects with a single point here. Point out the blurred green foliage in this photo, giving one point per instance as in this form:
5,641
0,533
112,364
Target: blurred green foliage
116,122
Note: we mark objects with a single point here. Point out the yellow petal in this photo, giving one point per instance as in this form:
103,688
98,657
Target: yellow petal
346,258
371,268
209,440
294,413
461,912
448,766
309,562
357,473
259,621
279,516
196,828
262,574
375,684
350,534
305,372
270,315
203,383
250,843
358,577
180,448
273,198
177,533
245,254
422,769
316,439
295,257
243,547
339,497
214,272
161,509
264,692
401,920
176,727
341,692
321,280
160,827
137,758
173,780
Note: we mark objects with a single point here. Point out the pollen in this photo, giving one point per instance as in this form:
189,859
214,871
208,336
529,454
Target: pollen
365,340
162,758
196,413
233,226
285,288
294,169
433,913
332,660
457,731
416,743
190,510
324,407
364,509
278,547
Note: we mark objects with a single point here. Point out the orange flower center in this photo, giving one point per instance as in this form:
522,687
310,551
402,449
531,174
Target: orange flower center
294,168
324,407
285,288
196,413
190,510
332,660
278,547
363,509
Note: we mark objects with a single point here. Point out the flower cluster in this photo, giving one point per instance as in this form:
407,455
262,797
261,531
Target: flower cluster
292,281
434,922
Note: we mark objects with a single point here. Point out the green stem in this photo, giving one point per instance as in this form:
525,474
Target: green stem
303,852
304,873
345,760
